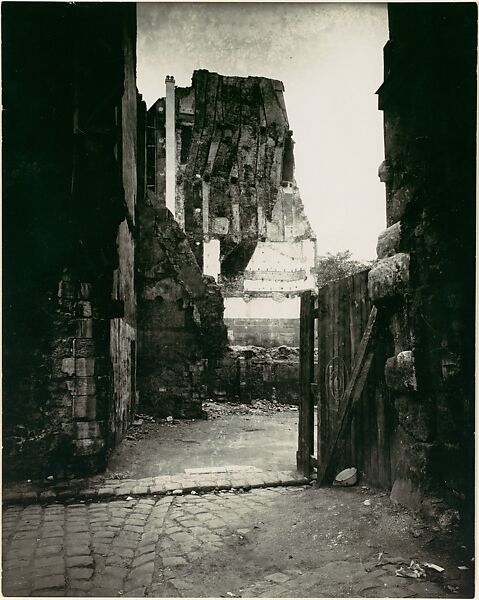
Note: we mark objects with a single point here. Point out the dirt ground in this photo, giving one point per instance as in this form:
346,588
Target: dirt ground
278,541
263,435
328,543
274,542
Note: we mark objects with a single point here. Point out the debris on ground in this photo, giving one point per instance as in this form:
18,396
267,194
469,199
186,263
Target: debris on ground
145,418
435,567
367,503
347,477
260,406
414,571
120,475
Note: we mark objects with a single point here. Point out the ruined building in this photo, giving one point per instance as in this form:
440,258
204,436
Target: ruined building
181,334
220,154
424,281
70,156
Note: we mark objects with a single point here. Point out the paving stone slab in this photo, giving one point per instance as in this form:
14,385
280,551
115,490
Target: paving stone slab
236,476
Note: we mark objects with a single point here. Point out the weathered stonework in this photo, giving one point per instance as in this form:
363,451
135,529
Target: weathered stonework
400,372
236,197
389,278
248,373
70,132
389,242
424,282
181,332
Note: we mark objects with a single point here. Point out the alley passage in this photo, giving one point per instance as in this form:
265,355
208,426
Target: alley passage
273,542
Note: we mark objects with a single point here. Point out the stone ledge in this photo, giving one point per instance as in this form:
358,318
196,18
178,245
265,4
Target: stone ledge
389,278
163,485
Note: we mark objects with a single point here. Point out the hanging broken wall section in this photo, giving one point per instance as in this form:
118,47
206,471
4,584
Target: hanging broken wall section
69,173
237,200
235,193
181,333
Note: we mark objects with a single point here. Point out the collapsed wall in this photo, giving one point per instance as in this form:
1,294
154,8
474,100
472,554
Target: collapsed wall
221,155
180,317
69,127
249,373
423,283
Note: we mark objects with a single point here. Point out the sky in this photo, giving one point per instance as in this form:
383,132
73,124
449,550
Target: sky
329,57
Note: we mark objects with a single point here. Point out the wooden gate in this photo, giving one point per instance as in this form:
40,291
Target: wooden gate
352,411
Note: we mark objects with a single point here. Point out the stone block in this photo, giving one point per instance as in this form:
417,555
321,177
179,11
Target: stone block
88,446
400,372
84,407
397,204
220,225
84,386
85,328
415,416
83,348
389,278
68,366
84,367
384,172
88,429
400,328
406,493
389,241
85,290
84,309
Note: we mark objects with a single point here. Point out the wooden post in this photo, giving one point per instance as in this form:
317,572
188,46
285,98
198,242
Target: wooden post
306,377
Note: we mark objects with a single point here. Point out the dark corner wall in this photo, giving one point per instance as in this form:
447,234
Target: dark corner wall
424,281
69,193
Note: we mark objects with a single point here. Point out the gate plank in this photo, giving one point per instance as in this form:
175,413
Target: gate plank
353,391
306,377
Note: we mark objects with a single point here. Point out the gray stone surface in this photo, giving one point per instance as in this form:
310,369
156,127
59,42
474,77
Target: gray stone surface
226,544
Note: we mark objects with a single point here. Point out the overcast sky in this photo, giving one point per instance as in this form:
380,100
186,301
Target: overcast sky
329,57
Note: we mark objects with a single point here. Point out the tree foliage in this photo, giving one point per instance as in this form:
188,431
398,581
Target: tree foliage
330,267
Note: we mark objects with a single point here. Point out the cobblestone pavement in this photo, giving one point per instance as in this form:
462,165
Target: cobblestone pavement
199,480
274,542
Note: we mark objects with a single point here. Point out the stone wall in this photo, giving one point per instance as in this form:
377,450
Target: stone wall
180,328
68,76
265,320
248,373
423,283
123,329
263,332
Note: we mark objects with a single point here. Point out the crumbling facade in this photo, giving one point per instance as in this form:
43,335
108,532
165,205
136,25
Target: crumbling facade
181,333
424,283
70,189
221,155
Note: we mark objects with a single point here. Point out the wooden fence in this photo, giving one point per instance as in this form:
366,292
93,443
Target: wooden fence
350,350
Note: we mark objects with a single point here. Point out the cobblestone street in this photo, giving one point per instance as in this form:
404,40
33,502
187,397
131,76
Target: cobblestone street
272,542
